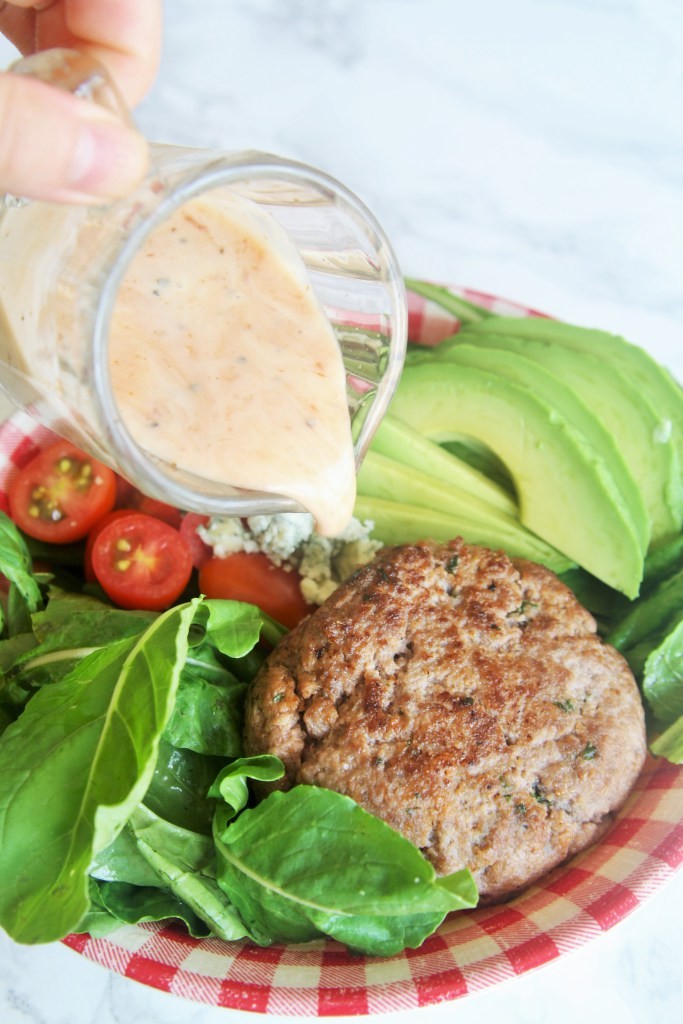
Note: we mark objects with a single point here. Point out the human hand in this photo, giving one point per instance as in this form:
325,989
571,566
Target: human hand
57,146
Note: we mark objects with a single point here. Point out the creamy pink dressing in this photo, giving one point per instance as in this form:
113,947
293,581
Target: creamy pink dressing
223,362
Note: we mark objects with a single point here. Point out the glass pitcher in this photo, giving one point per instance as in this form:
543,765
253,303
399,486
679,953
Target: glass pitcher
61,268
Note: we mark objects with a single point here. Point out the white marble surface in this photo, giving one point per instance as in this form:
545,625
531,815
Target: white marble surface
532,148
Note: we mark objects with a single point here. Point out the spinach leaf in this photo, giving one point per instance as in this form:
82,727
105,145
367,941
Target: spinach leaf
179,787
132,904
207,717
96,921
311,861
5,719
90,742
663,677
185,862
15,565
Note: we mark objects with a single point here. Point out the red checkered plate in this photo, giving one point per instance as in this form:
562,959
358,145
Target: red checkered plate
473,949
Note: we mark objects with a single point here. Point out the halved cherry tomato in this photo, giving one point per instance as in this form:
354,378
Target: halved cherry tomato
159,509
88,570
128,496
141,562
252,577
200,551
125,491
61,493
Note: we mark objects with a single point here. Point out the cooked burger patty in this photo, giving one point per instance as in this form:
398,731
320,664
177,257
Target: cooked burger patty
465,698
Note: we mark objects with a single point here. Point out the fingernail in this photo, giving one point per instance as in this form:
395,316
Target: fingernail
108,159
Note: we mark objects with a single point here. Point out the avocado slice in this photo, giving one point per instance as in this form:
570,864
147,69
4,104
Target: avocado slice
625,411
517,367
382,477
650,378
396,523
562,491
398,441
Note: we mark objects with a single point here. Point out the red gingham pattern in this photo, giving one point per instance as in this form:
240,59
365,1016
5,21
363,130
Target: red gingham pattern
472,950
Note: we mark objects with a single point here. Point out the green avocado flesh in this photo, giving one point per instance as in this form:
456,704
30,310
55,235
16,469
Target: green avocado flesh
647,377
384,478
627,414
398,523
563,495
397,441
515,366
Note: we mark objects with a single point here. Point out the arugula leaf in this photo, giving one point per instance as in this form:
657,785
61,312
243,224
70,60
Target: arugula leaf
15,565
185,862
311,861
90,741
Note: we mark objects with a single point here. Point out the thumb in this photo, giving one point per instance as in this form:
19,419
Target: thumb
58,147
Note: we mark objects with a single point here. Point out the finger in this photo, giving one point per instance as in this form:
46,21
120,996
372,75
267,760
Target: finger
55,146
124,35
18,26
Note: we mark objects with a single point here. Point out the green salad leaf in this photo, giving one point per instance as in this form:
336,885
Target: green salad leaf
116,903
68,629
122,861
5,719
663,677
232,785
311,862
180,784
90,742
654,613
15,564
185,863
670,743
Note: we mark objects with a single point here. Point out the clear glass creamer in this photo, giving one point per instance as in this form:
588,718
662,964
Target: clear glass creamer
61,268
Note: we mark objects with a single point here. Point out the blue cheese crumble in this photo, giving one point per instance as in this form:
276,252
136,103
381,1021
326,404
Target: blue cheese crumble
289,540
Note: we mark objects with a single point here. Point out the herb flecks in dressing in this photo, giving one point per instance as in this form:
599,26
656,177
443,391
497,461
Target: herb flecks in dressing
224,363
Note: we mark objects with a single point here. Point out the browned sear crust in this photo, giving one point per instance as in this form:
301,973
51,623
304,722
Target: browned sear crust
465,698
